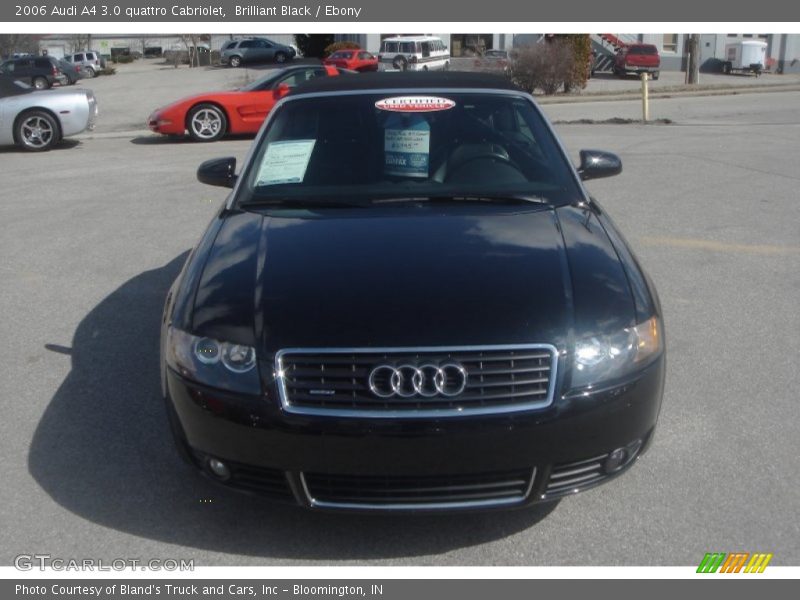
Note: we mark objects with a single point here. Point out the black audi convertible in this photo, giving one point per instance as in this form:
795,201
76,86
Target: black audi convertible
410,302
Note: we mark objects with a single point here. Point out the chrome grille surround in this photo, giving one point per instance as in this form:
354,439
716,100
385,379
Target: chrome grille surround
352,396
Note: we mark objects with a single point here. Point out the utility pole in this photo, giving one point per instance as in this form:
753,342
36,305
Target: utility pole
693,68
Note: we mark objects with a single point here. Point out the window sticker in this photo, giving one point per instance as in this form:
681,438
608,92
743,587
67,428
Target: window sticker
285,162
415,104
407,141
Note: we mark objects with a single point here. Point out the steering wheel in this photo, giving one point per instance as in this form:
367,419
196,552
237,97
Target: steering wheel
497,158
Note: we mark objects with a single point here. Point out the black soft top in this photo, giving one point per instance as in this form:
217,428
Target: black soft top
424,80
9,88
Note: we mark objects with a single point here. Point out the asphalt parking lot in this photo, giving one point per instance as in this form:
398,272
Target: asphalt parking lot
92,234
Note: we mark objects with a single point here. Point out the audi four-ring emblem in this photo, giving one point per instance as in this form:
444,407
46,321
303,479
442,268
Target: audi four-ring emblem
428,380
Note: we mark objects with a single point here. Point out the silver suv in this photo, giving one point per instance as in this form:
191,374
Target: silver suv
252,50
90,60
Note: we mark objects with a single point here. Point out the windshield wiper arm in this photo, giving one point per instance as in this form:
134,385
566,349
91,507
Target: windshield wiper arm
300,203
488,198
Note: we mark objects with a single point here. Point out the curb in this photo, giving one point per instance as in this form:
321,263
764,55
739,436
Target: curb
122,133
636,95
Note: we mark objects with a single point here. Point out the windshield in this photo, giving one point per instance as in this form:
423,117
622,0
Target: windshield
263,83
643,50
379,146
404,47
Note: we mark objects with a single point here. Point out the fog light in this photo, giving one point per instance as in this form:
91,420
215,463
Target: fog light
621,456
218,468
615,460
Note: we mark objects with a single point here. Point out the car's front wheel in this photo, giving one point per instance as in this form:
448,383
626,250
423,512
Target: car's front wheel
40,83
235,61
207,123
36,131
280,57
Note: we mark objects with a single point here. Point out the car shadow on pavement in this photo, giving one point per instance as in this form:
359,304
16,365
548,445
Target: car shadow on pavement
103,451
156,139
65,144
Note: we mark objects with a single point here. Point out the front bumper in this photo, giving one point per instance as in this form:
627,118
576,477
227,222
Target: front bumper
638,69
168,126
326,462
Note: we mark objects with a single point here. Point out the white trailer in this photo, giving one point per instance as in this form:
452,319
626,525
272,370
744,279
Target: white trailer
746,56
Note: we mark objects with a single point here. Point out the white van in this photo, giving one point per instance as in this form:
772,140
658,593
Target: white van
413,53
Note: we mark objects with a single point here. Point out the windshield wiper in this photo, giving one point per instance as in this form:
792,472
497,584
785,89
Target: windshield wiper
299,203
487,198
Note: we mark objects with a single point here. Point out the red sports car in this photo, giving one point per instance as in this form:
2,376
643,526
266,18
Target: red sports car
355,60
208,117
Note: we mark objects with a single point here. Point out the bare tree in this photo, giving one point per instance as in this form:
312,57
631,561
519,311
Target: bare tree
79,41
15,42
191,40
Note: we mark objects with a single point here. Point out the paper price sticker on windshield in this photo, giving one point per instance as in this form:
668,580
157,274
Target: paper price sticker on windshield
415,104
285,162
407,142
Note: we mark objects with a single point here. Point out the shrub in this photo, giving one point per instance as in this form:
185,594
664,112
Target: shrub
543,66
122,58
562,61
581,47
345,45
106,71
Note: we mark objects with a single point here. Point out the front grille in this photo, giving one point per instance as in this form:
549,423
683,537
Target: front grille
409,492
496,379
571,477
267,482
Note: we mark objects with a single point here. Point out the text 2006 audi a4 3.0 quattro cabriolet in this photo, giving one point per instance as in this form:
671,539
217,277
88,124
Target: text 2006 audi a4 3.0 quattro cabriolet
410,302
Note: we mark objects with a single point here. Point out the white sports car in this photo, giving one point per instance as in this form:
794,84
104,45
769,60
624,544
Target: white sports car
36,120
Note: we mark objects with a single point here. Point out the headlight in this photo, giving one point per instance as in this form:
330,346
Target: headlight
604,358
211,362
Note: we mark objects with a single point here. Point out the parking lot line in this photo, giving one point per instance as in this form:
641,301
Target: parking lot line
719,246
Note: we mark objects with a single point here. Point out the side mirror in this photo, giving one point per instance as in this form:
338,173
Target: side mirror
218,171
597,163
280,91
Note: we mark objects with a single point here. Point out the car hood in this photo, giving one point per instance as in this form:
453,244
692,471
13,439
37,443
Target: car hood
411,277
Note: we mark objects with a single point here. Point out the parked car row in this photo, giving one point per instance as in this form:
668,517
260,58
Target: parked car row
494,61
36,120
210,116
354,60
637,59
41,72
89,61
255,50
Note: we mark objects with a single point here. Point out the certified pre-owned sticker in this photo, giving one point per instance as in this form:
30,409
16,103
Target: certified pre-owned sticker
415,104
